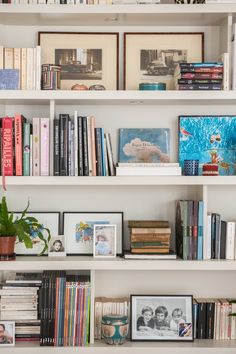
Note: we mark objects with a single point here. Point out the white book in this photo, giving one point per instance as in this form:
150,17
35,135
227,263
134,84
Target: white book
36,147
8,58
148,171
207,239
23,69
30,68
230,240
13,315
220,1
44,146
1,57
150,164
17,62
233,57
233,322
38,68
150,256
224,58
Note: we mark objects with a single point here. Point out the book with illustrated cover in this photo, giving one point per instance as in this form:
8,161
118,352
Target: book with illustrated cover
144,145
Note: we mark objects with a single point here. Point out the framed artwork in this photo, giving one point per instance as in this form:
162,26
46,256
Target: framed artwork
85,58
209,139
57,246
154,57
7,334
104,241
161,318
78,228
49,220
144,145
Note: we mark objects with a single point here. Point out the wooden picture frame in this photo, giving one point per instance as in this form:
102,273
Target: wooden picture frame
152,57
88,58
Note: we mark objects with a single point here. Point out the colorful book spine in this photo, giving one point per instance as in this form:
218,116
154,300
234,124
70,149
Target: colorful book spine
44,146
7,146
36,146
18,143
26,149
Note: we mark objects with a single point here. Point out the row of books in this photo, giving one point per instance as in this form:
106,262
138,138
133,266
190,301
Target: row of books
148,169
212,319
79,2
20,68
149,236
108,306
203,76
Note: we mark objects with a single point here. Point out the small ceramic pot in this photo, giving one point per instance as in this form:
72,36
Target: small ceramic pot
114,329
80,87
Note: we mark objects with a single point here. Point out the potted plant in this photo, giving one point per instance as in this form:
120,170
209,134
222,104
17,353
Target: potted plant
11,228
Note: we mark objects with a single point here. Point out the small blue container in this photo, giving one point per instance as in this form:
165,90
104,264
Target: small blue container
152,86
191,167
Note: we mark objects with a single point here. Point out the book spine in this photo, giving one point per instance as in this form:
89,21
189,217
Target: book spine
38,68
44,146
98,151
103,154
93,145
23,69
213,235
85,147
69,148
230,240
210,320
26,149
31,154
223,240
18,144
7,146
213,87
64,119
29,68
1,57
8,58
80,147
201,76
210,70
217,235
36,146
17,62
56,147
89,139
76,143
200,231
201,322
199,81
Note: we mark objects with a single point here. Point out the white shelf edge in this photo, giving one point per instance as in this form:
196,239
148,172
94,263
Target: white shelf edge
55,181
23,263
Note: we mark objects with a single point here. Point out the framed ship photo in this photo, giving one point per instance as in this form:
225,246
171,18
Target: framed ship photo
161,318
85,58
78,228
154,57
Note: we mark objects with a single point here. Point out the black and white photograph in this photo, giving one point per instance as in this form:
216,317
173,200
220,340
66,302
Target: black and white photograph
104,241
7,334
161,318
57,246
80,63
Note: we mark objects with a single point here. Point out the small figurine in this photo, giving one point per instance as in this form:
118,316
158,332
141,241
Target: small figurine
80,87
97,87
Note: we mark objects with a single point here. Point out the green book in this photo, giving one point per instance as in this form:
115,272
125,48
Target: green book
26,149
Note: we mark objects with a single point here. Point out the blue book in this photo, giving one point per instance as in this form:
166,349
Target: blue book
200,231
9,79
144,145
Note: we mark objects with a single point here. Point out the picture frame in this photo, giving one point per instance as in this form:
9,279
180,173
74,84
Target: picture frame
57,246
161,318
153,57
78,229
209,139
50,220
104,241
87,58
7,334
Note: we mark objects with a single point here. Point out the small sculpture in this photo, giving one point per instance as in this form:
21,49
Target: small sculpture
80,87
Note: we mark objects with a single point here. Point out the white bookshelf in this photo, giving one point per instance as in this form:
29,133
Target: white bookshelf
139,197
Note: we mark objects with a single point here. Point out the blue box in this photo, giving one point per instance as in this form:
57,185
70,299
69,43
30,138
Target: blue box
9,79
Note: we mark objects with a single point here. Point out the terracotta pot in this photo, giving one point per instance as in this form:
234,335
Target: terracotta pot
7,245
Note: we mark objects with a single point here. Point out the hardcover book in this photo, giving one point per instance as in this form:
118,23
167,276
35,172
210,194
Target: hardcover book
209,139
9,79
144,145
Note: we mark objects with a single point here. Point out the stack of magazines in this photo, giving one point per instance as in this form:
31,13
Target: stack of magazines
148,169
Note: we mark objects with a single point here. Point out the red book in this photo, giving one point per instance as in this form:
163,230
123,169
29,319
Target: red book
7,146
19,119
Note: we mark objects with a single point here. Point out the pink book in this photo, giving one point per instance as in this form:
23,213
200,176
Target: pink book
36,146
18,143
44,146
7,146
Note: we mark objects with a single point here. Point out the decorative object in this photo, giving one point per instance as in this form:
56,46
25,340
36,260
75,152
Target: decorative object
104,241
191,167
51,77
144,145
9,79
47,220
80,87
7,334
83,57
115,329
148,86
12,226
57,246
209,139
155,56
78,228
210,169
97,87
161,318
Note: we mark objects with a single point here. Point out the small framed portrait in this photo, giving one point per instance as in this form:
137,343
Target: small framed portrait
161,318
7,334
104,241
57,246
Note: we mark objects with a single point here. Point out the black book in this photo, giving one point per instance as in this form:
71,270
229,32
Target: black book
98,144
80,147
201,320
56,147
210,319
217,235
64,120
85,147
223,240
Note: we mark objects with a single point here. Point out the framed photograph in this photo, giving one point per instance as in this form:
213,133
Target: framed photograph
85,58
78,228
57,246
153,57
161,318
209,139
7,334
49,220
144,145
104,241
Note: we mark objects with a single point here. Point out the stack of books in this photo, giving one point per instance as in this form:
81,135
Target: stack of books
19,303
149,237
200,76
148,169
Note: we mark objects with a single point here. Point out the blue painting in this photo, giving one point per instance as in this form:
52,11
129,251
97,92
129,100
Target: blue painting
209,139
84,230
144,145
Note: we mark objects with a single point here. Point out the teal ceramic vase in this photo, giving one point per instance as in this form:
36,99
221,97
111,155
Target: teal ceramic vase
114,329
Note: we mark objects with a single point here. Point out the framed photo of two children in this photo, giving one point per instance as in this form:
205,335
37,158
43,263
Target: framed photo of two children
161,318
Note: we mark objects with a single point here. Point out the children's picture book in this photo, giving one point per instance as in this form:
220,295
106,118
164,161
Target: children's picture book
144,145
209,139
